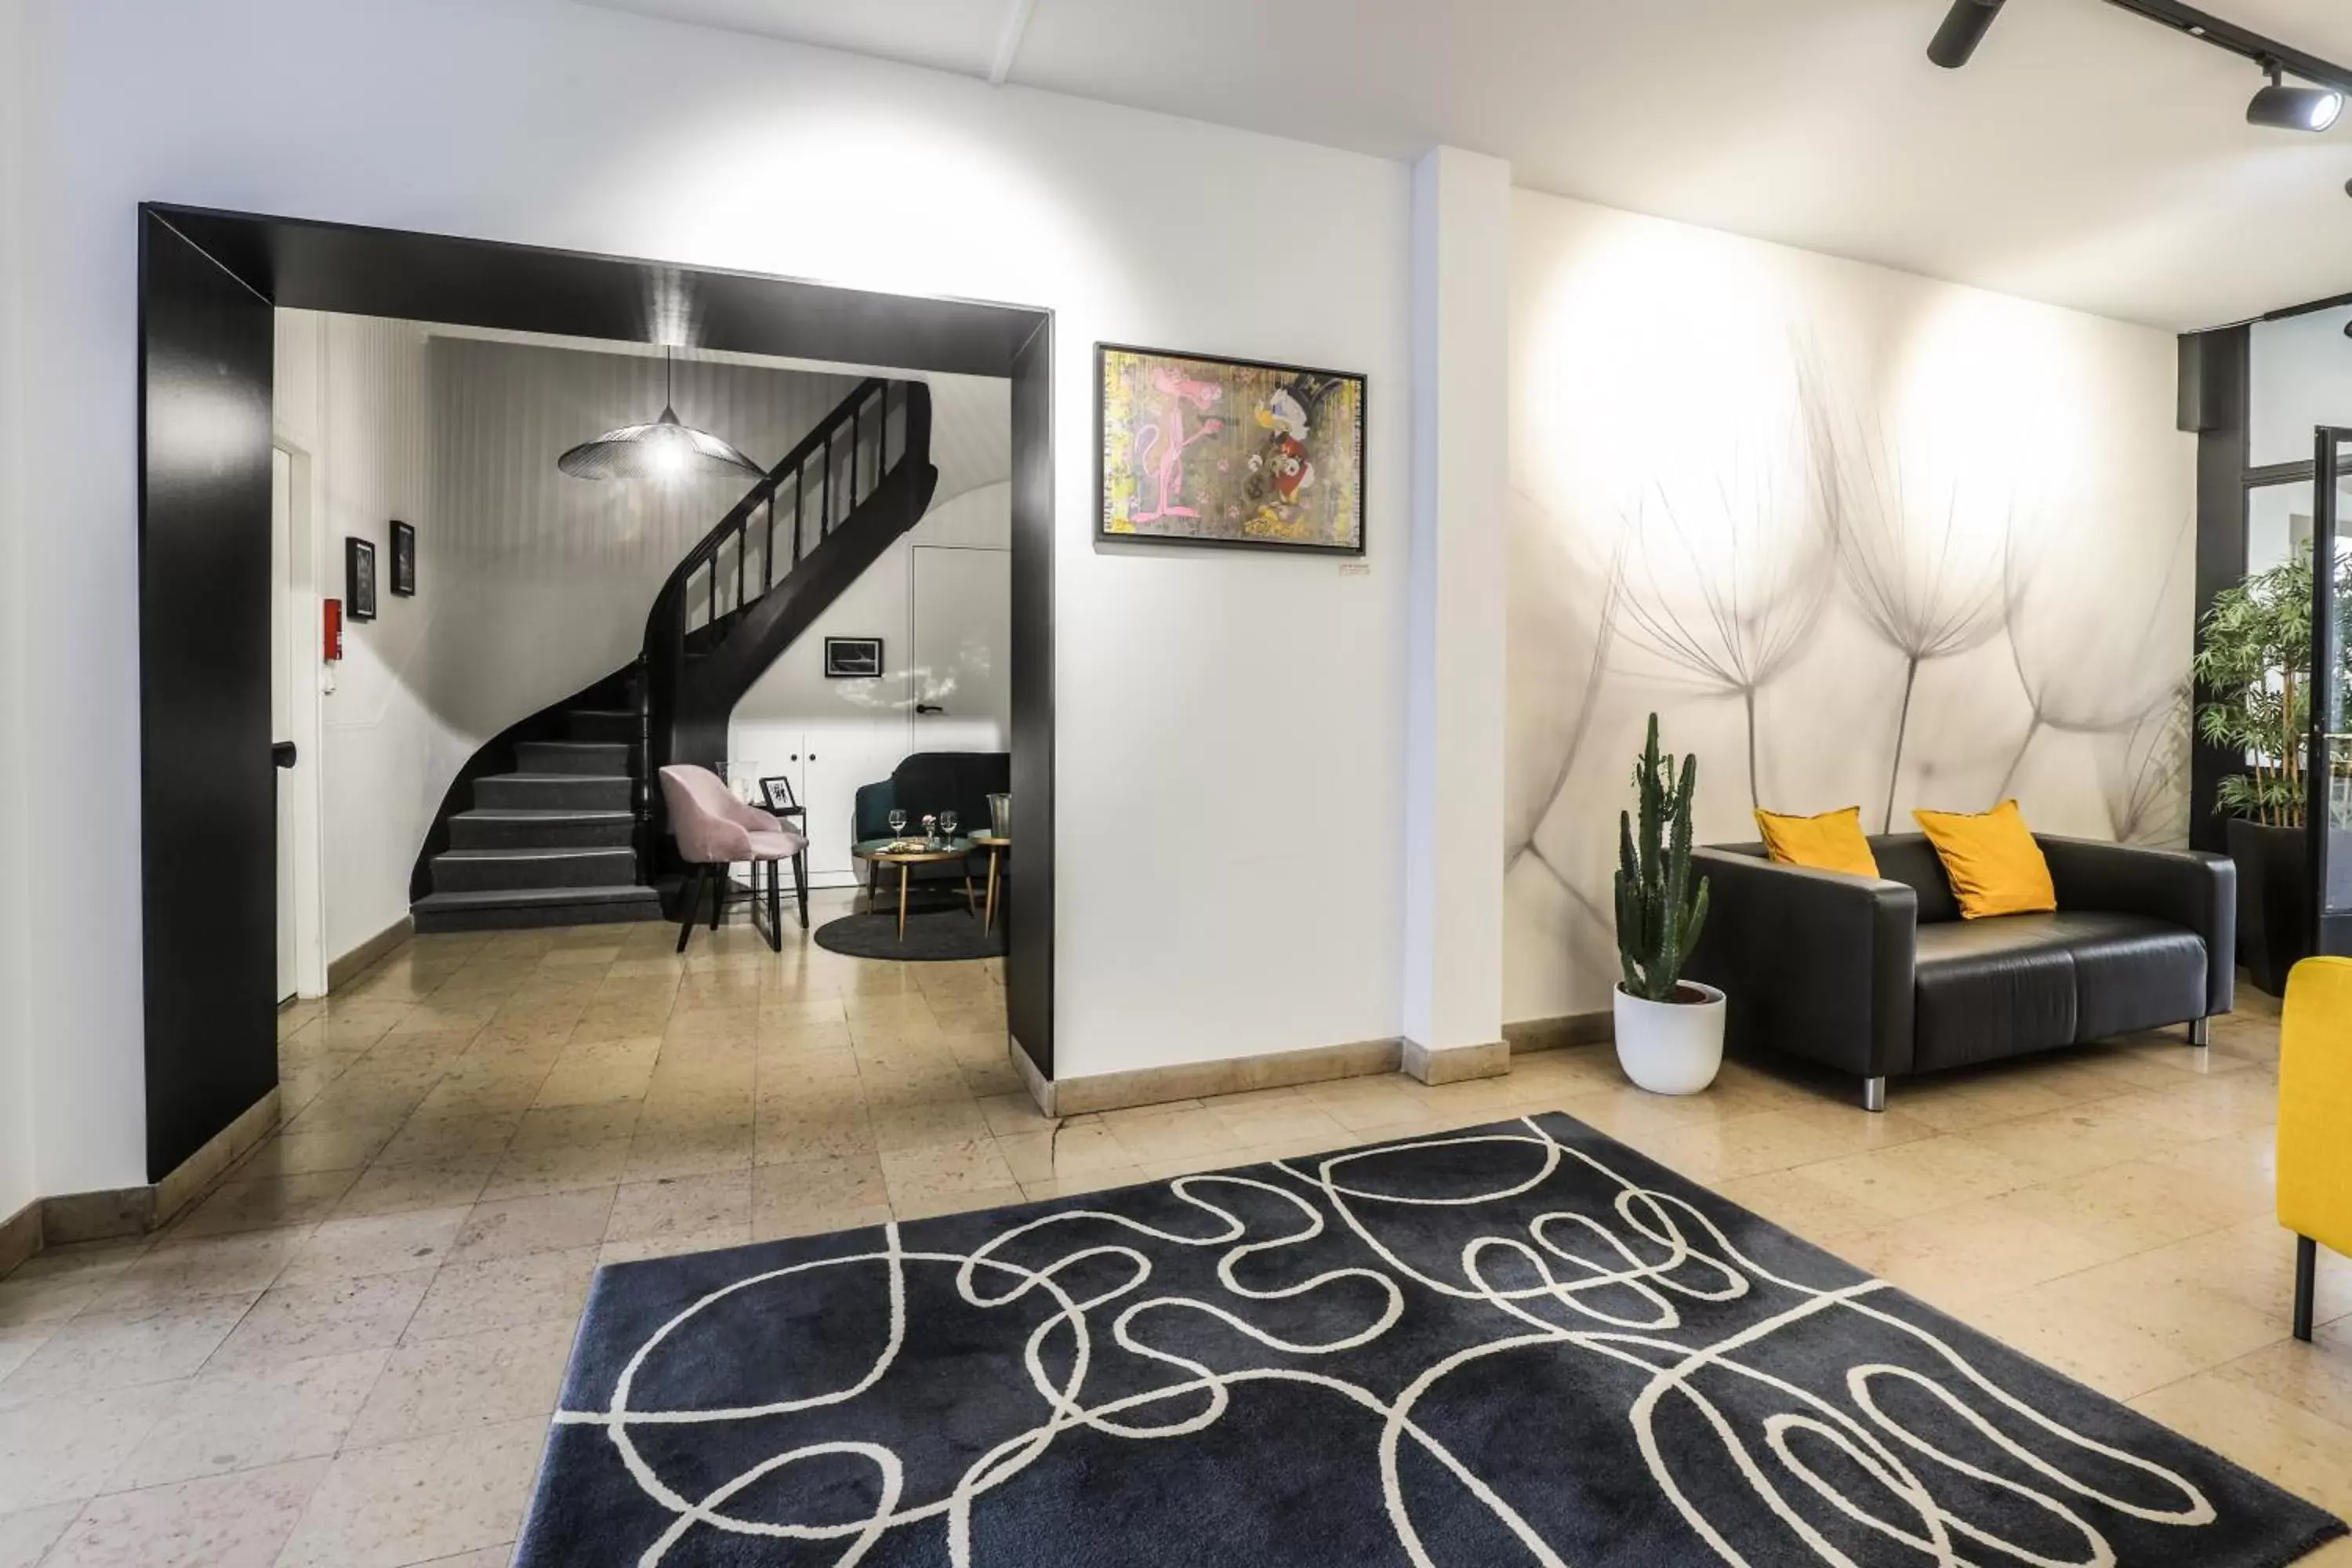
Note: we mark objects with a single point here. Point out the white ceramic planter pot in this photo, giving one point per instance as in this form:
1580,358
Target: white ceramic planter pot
1671,1047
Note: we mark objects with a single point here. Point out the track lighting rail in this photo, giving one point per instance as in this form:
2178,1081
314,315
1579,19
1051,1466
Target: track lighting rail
1967,21
2244,42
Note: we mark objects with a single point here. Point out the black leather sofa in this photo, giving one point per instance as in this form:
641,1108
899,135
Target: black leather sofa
1881,978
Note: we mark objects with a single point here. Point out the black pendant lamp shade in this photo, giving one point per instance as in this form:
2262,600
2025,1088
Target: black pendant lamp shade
664,449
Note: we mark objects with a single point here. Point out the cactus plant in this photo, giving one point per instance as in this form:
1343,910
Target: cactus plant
1659,914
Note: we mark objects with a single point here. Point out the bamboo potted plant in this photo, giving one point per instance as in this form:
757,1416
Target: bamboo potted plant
1669,1029
2254,678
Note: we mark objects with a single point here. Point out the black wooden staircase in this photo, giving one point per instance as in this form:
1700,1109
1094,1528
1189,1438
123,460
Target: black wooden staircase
557,821
785,551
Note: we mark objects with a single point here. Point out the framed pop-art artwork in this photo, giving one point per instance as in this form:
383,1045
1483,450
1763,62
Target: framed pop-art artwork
1194,450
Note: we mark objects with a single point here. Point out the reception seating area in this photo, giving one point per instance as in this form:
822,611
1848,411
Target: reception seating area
1880,977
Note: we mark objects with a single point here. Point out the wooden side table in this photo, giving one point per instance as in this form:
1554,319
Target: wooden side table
996,848
906,853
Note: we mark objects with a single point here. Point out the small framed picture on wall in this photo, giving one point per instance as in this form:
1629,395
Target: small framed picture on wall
850,658
404,559
359,578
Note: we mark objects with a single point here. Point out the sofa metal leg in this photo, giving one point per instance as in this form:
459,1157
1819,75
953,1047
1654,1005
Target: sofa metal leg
2306,1271
2201,1032
1873,1094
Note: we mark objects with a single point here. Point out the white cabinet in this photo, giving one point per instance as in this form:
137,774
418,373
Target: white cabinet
836,764
826,764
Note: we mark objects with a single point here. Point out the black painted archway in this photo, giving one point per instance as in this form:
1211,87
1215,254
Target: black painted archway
208,284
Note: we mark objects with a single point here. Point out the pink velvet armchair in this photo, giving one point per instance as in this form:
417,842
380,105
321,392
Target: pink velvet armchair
714,831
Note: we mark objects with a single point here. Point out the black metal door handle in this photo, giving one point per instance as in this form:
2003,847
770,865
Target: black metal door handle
929,707
282,753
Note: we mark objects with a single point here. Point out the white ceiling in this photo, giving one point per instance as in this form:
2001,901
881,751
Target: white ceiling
2086,157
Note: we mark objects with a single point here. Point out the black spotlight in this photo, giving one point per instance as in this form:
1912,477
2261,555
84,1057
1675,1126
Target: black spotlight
1965,25
2283,108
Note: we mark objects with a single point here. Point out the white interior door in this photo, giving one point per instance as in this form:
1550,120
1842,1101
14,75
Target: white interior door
961,613
282,625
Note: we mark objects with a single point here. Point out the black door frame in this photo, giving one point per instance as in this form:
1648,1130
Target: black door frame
2216,406
207,1040
2331,926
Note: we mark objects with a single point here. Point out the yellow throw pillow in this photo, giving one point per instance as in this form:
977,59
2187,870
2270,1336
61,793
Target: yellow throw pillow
1829,842
1991,861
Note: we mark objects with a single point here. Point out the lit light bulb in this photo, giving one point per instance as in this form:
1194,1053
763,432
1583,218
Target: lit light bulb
669,452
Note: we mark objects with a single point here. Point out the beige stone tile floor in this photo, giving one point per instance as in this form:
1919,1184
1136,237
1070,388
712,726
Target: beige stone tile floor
347,1353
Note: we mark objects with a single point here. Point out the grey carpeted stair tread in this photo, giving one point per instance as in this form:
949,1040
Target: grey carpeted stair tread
529,851
550,792
611,894
586,759
529,776
515,909
517,827
521,867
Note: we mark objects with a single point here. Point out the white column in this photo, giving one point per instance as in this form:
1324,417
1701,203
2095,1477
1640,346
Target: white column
1454,790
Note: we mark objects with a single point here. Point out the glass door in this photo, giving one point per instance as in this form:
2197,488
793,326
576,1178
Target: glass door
2327,779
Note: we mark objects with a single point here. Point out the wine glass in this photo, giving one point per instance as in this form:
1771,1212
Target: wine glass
947,824
897,820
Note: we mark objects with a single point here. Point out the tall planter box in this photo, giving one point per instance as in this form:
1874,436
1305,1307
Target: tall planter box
2274,902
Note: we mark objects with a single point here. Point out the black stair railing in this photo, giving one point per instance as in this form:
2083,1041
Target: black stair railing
876,439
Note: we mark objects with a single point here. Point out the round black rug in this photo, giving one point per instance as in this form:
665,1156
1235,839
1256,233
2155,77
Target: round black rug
933,936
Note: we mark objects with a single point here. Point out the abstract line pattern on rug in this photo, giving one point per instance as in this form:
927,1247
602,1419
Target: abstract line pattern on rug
1523,1342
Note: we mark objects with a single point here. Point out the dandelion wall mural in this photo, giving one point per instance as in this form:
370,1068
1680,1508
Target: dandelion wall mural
1859,537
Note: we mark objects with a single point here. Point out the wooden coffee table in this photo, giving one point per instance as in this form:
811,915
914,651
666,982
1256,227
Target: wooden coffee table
907,853
995,846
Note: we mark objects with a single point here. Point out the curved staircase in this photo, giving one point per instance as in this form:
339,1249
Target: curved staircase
556,821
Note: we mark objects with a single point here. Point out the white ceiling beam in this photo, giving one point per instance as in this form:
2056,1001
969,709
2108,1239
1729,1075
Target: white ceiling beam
1008,43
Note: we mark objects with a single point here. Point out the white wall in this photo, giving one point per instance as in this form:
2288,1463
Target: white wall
353,395
1751,485
73,676
1253,701
16,1120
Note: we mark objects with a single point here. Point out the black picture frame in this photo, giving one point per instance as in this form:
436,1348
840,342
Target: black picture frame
359,578
404,559
777,793
1105,533
853,659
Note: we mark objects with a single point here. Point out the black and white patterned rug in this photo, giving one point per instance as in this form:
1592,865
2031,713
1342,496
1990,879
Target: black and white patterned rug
1522,1343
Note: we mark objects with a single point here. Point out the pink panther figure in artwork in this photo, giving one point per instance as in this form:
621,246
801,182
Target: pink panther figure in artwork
1160,452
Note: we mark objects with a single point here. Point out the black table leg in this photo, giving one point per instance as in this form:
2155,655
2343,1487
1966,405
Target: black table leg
775,907
2306,1280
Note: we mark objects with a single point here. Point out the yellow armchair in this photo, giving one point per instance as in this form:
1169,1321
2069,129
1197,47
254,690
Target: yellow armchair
2315,1128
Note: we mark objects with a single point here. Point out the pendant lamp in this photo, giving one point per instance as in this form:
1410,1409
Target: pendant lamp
664,449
